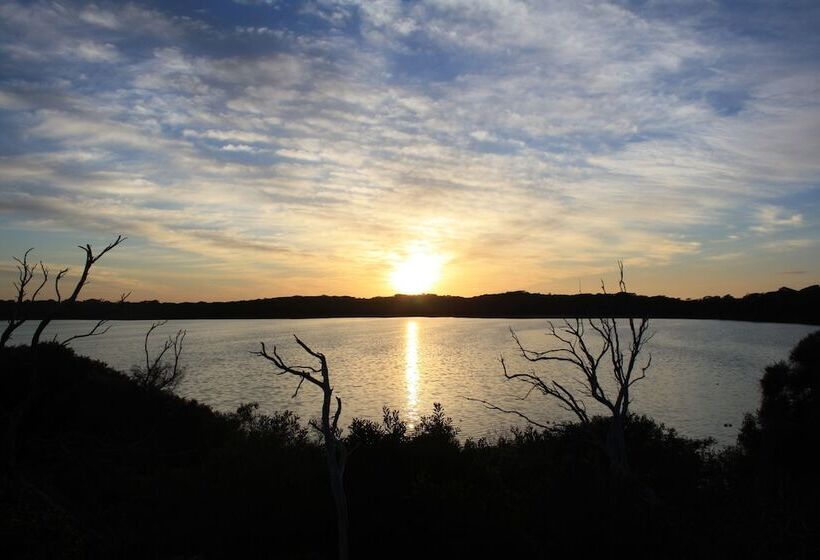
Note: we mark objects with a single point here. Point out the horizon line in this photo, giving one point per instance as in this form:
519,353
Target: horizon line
429,294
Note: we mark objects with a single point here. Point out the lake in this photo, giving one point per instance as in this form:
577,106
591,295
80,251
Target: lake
704,375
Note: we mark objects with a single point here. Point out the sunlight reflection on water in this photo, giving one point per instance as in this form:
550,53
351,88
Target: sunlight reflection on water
411,373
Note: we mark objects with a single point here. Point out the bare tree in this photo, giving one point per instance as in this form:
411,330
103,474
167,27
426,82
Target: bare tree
25,274
590,346
159,372
90,260
335,450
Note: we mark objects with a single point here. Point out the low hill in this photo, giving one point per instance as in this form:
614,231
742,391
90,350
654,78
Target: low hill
784,305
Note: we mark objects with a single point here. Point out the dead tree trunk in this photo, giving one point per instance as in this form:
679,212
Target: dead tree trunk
335,451
615,445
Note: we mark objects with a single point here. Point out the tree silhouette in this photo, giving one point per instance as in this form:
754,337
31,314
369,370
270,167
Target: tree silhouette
784,432
590,346
90,260
335,450
25,274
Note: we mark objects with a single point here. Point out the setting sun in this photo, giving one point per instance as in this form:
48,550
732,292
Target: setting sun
417,273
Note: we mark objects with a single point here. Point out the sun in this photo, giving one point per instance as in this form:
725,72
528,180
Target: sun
417,273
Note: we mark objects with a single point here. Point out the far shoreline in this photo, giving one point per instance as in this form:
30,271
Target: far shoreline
782,306
320,318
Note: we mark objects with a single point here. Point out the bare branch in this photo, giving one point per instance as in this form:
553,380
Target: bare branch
44,270
643,371
153,327
57,279
95,331
566,400
308,350
299,386
90,260
305,372
335,425
520,414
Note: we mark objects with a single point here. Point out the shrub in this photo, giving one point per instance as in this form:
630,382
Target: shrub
437,427
784,432
282,428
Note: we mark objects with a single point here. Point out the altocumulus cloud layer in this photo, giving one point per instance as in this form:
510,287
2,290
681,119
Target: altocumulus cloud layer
252,148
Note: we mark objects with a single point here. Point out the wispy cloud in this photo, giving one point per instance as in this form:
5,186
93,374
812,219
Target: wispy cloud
772,218
318,140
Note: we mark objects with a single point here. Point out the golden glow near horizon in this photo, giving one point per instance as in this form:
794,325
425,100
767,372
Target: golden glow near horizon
417,273
411,370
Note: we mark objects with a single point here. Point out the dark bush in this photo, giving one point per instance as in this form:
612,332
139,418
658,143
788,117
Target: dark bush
775,469
437,427
784,434
278,428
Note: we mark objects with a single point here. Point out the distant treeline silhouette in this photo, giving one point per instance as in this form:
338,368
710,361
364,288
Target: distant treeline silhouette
783,306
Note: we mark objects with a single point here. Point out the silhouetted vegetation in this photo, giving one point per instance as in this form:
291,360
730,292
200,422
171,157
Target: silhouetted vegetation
25,306
18,308
22,309
779,446
162,370
108,468
785,305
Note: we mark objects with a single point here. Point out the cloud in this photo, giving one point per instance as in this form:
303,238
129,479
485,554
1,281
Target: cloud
94,15
91,51
772,218
790,244
226,135
546,137
239,148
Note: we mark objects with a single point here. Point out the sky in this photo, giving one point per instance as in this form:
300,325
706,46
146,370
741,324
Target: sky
253,149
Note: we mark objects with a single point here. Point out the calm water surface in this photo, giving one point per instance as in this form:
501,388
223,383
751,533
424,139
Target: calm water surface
704,374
